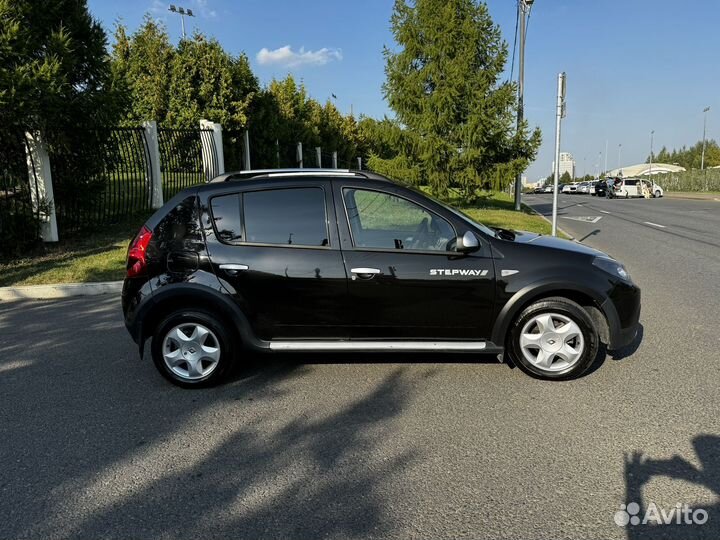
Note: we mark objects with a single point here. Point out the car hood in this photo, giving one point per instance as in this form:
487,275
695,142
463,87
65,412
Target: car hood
525,237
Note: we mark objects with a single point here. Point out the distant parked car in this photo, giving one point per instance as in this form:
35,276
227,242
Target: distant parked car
549,188
570,188
655,190
583,188
591,190
539,190
600,188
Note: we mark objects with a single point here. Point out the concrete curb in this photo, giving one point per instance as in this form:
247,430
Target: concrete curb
701,197
59,290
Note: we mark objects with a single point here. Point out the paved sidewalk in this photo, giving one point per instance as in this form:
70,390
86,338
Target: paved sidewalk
59,290
696,195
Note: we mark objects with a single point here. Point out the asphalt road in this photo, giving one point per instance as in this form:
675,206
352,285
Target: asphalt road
93,443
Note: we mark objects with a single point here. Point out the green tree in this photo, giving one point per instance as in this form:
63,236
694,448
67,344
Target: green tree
54,70
142,68
565,178
690,158
207,82
444,84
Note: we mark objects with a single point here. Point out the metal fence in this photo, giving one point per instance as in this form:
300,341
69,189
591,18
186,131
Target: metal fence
19,221
181,158
692,180
102,182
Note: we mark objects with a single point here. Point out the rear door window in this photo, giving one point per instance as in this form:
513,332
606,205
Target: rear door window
290,217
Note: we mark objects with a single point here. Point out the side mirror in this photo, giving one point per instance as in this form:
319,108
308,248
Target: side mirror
467,243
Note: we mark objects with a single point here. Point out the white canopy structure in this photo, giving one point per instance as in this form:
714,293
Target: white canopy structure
643,169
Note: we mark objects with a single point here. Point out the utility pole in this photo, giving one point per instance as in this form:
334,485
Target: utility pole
619,150
702,159
651,152
559,115
183,13
524,9
606,154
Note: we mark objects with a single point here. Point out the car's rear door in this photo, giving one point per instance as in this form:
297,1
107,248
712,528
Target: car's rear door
405,278
276,248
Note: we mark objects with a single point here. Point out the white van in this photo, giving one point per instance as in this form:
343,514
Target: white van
633,187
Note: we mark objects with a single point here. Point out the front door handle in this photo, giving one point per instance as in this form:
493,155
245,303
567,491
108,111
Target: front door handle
233,269
365,273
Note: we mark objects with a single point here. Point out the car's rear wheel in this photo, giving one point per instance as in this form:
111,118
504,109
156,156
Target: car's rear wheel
554,339
658,194
193,349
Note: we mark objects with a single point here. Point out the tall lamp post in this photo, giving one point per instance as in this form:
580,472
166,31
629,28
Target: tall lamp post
652,133
619,152
524,9
702,159
183,13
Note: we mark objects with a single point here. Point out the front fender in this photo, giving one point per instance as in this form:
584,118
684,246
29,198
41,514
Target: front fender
543,289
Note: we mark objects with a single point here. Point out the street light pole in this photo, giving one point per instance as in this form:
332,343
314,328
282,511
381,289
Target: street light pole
651,151
559,114
524,9
182,12
606,156
619,151
702,159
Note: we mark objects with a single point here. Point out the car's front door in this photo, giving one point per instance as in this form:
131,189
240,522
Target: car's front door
406,280
277,250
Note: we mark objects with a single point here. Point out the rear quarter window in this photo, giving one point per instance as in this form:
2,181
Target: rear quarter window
227,217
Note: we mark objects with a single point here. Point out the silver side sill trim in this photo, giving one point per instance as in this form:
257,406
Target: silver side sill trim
369,346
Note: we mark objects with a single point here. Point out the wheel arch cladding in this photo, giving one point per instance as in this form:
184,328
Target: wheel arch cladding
194,297
590,300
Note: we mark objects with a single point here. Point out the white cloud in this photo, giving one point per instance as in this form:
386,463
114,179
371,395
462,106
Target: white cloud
285,56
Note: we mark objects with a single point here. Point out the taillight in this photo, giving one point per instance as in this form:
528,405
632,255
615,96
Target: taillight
137,253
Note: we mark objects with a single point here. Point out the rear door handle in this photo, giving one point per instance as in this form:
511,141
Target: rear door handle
365,273
233,269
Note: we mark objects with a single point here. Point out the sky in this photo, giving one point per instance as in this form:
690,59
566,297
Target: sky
632,66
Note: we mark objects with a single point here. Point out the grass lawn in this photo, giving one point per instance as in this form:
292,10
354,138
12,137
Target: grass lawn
497,210
100,255
92,256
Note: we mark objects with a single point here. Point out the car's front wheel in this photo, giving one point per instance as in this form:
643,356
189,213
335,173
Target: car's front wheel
658,194
193,349
553,338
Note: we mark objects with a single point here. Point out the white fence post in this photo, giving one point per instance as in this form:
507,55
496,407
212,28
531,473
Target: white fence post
334,160
154,176
247,166
41,192
206,149
318,156
299,155
359,163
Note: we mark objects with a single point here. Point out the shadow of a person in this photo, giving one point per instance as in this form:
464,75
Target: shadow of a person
639,470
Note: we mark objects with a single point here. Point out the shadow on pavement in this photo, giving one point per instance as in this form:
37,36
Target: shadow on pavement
639,470
95,443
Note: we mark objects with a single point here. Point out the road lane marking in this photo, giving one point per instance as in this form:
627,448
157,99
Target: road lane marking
586,219
604,211
654,224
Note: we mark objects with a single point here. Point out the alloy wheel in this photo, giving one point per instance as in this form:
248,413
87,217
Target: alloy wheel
552,342
191,351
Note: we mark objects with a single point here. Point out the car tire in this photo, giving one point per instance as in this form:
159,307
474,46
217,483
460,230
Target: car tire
533,345
658,194
193,349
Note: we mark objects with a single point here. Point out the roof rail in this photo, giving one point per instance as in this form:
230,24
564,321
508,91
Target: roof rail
256,173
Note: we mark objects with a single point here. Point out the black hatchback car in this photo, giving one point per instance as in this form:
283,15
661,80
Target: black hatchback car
332,261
